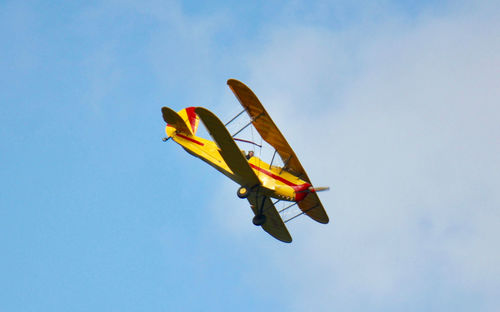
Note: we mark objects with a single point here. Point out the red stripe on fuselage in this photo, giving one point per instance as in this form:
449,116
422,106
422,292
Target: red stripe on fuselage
272,175
299,189
189,139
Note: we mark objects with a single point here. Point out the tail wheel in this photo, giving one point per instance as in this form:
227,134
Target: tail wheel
259,220
242,192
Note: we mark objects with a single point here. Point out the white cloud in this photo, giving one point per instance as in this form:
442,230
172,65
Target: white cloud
402,121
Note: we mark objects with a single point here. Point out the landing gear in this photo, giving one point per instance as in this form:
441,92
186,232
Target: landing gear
259,220
242,192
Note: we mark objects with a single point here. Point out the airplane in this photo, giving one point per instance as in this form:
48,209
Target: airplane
258,180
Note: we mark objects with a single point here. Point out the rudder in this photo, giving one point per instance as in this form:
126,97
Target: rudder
190,118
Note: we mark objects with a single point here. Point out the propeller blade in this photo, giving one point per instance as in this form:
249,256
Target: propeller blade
319,189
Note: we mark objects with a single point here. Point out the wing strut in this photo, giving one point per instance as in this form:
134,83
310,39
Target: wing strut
295,203
246,141
286,164
298,215
271,164
248,124
230,121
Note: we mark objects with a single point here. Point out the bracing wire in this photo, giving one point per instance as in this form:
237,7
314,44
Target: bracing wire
251,132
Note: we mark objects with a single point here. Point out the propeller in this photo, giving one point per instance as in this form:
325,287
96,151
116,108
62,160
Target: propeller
312,189
318,189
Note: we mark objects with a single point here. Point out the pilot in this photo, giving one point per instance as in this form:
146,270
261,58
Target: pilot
249,155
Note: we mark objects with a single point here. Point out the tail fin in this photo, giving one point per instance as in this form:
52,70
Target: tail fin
190,118
185,121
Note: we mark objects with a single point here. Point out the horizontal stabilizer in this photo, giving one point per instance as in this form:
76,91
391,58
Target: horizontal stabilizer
174,120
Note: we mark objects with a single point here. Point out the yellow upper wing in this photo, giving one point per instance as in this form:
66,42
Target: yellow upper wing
261,120
265,126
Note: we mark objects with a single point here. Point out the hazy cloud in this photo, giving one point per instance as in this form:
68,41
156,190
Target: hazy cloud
402,121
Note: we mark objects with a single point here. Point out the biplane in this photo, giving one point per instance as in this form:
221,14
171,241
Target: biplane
259,181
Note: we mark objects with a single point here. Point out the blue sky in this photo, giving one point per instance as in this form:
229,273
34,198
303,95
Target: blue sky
393,104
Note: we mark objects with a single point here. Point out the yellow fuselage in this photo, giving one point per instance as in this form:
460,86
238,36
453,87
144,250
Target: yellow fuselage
275,182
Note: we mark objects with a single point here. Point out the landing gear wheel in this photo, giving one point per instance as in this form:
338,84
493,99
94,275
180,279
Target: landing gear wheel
259,220
242,192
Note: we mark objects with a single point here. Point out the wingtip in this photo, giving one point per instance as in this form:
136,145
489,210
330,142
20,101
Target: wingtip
287,240
325,220
233,82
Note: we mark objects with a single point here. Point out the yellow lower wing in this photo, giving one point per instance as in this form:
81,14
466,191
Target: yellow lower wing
274,224
244,175
228,148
